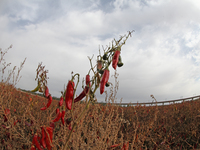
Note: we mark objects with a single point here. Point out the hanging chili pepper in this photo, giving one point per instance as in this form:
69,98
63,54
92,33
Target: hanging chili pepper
46,91
49,137
85,91
43,139
82,95
49,101
57,110
61,101
35,142
87,80
58,116
43,108
104,80
48,104
63,117
69,95
115,59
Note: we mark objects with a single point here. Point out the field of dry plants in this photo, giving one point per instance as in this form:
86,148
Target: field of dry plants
175,126
77,122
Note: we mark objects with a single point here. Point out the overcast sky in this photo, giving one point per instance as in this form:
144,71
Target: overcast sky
161,58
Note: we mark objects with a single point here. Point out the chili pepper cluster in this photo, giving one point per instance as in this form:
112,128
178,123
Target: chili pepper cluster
114,53
43,140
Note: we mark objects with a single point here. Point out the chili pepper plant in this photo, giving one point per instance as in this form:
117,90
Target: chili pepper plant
99,78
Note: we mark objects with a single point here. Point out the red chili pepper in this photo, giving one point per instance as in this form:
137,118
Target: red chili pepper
15,122
87,80
46,92
85,91
7,111
58,116
43,108
49,101
69,95
49,136
35,142
127,146
82,95
104,80
63,117
57,110
48,104
43,139
115,145
115,59
61,101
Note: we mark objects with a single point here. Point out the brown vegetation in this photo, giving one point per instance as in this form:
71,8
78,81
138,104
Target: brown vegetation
174,126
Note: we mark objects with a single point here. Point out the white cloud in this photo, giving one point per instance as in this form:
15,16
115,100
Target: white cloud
161,58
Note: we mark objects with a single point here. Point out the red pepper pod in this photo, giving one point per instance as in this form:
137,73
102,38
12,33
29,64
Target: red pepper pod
46,92
35,142
15,122
49,137
104,80
7,111
61,101
115,145
57,110
69,95
63,117
43,139
82,95
43,108
87,80
115,59
49,101
58,116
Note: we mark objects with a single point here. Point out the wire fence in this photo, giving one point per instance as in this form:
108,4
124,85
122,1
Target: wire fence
158,103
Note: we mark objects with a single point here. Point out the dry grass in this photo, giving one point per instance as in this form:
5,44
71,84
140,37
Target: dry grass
174,126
